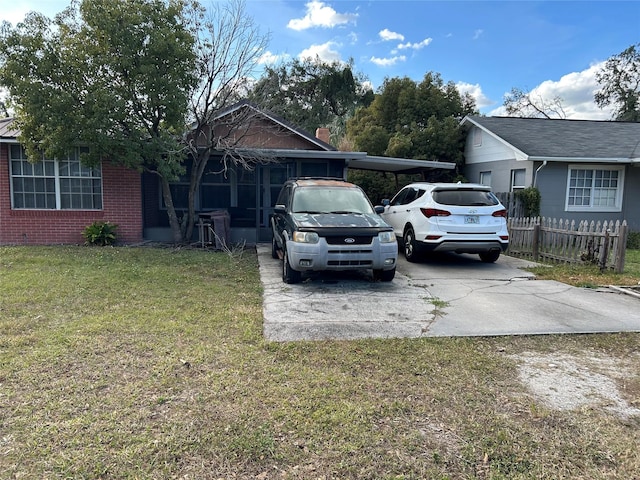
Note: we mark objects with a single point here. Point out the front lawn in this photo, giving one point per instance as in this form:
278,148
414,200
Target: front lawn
147,363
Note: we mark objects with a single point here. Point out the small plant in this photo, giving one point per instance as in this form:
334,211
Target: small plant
100,233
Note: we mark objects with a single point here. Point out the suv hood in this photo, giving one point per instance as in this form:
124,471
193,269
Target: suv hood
346,220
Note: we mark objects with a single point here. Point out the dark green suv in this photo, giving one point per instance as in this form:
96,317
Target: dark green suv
329,224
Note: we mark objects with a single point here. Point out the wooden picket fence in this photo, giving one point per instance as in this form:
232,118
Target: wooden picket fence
564,241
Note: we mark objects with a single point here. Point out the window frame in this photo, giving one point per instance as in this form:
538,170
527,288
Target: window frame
619,189
514,187
58,195
483,175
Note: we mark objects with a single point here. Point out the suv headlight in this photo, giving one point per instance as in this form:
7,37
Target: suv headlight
386,237
305,237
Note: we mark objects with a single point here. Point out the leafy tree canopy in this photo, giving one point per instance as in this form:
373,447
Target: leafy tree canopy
413,120
619,80
311,94
125,78
113,75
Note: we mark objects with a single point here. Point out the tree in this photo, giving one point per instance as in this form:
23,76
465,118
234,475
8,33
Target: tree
125,78
519,103
413,120
311,93
619,79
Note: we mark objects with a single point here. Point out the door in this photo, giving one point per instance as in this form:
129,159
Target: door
270,181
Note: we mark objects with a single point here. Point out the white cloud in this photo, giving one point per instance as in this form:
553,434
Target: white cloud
387,35
477,34
476,92
387,62
14,12
415,46
324,52
268,58
321,15
576,90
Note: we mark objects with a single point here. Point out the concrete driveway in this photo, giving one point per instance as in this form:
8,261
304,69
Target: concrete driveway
453,295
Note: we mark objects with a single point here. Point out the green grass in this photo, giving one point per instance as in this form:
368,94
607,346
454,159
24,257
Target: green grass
590,275
136,363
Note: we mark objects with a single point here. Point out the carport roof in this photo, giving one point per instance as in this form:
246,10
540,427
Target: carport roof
362,161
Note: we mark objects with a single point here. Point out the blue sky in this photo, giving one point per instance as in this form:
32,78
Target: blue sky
552,48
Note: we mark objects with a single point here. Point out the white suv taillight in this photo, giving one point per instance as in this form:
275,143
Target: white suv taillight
500,213
434,212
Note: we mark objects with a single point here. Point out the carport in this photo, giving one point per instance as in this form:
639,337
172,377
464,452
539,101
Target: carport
396,165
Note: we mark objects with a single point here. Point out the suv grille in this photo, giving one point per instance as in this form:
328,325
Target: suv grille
357,240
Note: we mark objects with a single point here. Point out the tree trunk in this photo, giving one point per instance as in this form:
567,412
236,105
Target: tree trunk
174,221
197,171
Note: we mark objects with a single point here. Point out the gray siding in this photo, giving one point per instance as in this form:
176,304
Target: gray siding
552,183
500,173
631,201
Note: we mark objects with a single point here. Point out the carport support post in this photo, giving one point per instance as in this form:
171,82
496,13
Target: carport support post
535,247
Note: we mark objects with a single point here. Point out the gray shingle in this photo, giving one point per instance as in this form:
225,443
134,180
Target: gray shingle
541,137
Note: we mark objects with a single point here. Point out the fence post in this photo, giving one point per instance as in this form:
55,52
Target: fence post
536,241
604,253
622,247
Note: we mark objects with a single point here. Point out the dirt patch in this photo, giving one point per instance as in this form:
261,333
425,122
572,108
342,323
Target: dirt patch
569,382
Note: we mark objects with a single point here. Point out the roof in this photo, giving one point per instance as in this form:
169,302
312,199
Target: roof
7,128
357,160
559,139
276,119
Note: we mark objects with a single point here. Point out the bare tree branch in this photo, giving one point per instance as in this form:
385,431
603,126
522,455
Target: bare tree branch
519,103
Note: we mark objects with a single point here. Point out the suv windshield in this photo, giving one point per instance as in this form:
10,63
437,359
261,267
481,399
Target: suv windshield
329,200
480,198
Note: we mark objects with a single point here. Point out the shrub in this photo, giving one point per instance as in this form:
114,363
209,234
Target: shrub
530,198
100,233
633,241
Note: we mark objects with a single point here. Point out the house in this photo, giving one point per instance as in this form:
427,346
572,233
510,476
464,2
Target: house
584,170
52,201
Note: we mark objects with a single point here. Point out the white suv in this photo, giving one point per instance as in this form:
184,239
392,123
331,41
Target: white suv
448,217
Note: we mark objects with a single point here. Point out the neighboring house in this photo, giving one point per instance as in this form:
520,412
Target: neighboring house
584,170
52,201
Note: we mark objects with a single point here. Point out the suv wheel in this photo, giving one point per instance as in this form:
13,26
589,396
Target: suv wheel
384,275
490,256
274,248
410,247
289,275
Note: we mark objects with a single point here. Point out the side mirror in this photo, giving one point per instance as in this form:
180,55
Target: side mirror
280,209
379,209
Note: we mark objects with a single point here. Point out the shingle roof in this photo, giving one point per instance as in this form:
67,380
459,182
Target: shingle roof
277,119
579,139
7,128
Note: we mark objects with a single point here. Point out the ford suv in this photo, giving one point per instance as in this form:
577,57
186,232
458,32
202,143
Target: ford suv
330,224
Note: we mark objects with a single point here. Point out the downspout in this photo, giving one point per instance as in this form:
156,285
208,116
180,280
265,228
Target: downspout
535,176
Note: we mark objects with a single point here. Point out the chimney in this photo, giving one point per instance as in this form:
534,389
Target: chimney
322,134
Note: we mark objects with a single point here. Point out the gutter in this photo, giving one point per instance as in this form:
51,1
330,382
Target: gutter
626,160
535,175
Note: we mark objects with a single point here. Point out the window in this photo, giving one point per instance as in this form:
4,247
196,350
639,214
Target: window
518,179
485,178
54,184
591,189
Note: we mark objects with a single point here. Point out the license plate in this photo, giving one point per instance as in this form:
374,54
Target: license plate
471,219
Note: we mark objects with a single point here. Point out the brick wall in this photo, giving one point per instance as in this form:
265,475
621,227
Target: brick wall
122,204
